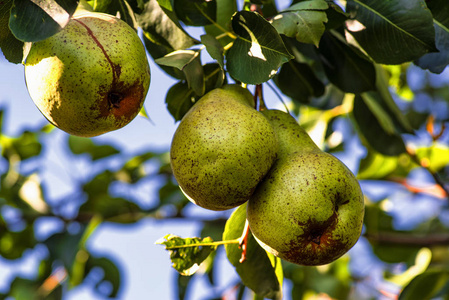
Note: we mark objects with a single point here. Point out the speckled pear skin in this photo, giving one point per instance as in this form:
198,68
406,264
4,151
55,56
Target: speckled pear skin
222,148
309,208
90,78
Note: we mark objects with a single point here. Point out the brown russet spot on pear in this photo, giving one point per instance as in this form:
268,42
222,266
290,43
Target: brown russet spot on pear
309,208
90,78
222,149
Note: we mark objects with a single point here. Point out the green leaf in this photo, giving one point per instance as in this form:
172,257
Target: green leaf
214,48
261,271
196,12
426,285
64,247
376,166
298,81
14,243
344,67
437,62
336,16
162,35
392,32
178,59
116,7
111,274
379,224
225,10
436,156
33,21
258,52
134,169
372,127
180,98
304,21
11,47
384,98
80,145
25,146
189,62
187,254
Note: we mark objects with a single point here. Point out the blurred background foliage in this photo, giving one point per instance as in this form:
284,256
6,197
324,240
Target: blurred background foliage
388,123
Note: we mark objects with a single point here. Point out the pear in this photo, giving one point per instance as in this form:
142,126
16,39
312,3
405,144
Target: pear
90,78
309,208
222,148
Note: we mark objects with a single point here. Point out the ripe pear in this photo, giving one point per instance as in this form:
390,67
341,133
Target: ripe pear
222,148
90,78
309,208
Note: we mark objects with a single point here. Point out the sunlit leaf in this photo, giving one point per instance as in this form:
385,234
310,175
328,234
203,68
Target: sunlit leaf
258,52
261,272
304,21
187,254
376,166
119,8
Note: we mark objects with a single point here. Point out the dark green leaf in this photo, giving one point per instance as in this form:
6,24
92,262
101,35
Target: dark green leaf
25,146
115,7
336,16
183,285
134,169
33,21
194,74
373,131
187,254
80,145
162,35
298,81
179,99
64,247
437,62
11,47
214,48
196,12
111,274
304,21
225,10
258,52
14,243
261,271
344,67
99,202
392,32
426,285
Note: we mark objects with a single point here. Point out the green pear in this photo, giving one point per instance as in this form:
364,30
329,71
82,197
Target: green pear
222,148
90,78
309,208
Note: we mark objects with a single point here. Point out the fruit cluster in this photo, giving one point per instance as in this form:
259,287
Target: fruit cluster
304,205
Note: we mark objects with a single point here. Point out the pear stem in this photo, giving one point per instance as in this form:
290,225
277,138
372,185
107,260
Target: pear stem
258,93
243,241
